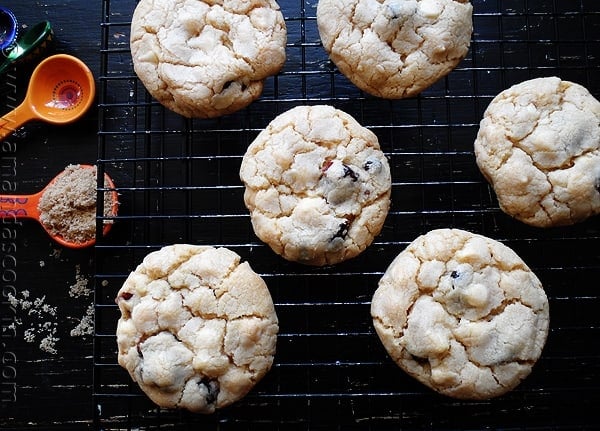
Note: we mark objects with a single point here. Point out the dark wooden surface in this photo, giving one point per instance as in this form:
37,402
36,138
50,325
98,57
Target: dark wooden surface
43,390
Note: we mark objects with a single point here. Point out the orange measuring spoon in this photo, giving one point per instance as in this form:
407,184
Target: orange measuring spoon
26,206
60,91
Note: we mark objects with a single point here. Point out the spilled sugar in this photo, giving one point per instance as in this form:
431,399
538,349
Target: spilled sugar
43,326
42,318
85,325
80,288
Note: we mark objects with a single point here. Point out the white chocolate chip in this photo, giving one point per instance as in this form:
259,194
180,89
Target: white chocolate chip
430,8
476,295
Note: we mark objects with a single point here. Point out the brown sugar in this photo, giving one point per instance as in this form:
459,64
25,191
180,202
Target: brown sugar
68,205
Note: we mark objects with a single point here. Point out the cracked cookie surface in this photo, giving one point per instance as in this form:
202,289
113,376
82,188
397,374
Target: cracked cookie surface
461,313
538,146
395,48
205,58
198,327
317,185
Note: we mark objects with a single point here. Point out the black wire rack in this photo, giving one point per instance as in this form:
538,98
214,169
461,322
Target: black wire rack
178,182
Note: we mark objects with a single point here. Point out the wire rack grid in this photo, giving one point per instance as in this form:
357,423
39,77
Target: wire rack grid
178,182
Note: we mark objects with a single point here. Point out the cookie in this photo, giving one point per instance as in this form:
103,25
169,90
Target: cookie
317,185
395,48
538,145
198,327
203,58
461,313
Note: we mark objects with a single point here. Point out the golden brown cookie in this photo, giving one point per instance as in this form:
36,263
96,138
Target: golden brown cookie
198,328
205,59
539,147
317,185
395,48
461,313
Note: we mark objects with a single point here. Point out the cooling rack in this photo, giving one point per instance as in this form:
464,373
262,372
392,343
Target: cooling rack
178,182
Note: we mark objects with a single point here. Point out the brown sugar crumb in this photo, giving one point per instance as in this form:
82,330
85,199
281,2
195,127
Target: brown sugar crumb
68,206
85,325
80,287
40,319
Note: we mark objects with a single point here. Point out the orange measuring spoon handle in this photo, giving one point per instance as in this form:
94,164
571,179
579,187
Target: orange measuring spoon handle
15,119
20,206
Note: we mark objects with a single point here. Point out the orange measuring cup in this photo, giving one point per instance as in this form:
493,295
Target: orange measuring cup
60,91
26,206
